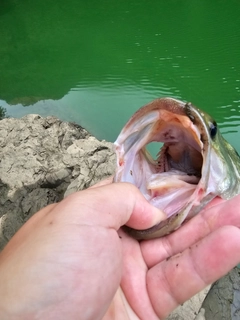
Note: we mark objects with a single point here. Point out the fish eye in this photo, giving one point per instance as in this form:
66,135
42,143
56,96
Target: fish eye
213,129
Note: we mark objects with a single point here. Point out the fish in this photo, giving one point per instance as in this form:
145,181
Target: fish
194,165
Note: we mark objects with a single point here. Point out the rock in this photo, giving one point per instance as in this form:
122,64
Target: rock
223,300
39,159
96,162
191,309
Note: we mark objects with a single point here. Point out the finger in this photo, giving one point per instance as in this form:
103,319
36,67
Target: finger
133,280
220,213
111,206
102,182
174,281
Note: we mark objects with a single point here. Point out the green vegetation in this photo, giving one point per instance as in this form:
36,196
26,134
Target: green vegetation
3,113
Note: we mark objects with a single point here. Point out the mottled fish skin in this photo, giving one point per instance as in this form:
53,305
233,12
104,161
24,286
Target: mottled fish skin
192,144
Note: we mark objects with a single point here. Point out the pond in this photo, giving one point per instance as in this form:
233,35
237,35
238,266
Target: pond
96,62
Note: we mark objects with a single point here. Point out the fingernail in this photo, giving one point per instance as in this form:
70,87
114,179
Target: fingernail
158,216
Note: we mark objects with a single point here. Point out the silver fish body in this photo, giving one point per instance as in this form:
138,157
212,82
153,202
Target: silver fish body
194,165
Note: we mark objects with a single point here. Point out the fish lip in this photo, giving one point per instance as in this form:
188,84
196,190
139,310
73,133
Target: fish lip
193,120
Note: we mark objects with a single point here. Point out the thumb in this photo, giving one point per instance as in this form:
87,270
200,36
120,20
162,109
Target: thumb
111,206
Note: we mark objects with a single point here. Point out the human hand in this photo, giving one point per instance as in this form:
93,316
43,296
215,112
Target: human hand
67,261
181,264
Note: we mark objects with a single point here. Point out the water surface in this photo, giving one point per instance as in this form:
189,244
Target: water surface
95,62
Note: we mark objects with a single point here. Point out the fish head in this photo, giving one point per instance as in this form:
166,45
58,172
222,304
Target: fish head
194,165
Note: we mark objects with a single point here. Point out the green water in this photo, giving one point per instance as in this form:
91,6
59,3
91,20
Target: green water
96,62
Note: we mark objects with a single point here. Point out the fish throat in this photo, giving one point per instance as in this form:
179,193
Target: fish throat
179,156
169,181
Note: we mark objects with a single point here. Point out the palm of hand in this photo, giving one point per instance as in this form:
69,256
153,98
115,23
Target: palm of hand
160,274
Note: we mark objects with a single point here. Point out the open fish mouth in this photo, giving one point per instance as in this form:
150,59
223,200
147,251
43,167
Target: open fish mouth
186,173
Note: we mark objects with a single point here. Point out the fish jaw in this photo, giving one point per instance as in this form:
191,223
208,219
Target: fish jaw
167,182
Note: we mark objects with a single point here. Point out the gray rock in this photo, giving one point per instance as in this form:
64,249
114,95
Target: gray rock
223,300
39,159
191,309
97,162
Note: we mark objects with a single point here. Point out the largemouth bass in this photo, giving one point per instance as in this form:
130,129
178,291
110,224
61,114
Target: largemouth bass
194,165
